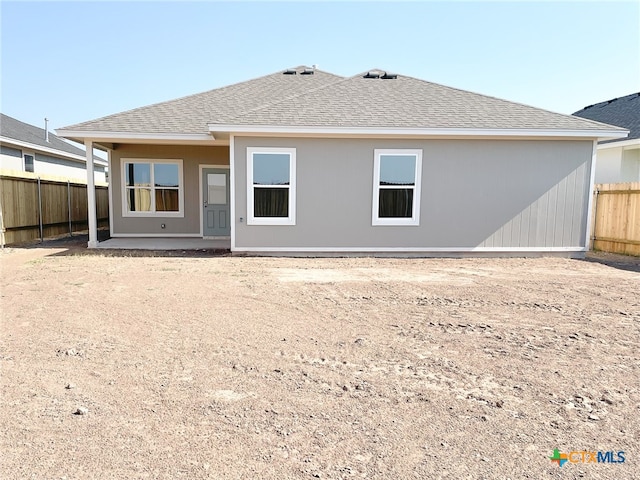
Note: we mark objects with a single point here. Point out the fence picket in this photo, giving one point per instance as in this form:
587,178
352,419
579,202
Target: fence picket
34,208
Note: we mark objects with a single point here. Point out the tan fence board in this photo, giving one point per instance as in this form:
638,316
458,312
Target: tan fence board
616,225
20,207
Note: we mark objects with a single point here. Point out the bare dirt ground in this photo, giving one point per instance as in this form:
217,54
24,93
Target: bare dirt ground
198,366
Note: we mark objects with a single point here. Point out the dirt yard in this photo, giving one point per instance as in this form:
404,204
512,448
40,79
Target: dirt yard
197,366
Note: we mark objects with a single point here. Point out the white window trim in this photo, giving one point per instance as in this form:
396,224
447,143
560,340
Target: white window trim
152,213
251,218
415,218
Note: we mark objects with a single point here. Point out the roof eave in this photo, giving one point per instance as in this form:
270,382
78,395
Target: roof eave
129,137
50,150
418,132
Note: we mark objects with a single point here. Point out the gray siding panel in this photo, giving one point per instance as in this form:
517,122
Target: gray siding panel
475,193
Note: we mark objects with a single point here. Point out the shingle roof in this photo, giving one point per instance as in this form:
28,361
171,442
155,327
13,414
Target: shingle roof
623,112
404,102
24,132
327,100
192,114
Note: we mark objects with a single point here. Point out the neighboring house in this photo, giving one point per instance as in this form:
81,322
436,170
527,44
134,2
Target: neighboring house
304,161
618,159
25,148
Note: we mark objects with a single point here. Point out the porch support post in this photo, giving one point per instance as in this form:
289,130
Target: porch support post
91,197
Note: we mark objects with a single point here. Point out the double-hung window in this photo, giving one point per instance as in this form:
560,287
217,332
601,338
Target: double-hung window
396,187
152,188
271,186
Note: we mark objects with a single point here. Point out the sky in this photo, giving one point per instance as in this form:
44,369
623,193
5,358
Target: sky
76,61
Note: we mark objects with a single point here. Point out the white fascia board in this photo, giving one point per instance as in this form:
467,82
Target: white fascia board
52,151
120,136
459,132
621,144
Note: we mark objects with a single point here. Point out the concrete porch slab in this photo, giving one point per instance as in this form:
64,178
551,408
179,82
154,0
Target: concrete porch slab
151,243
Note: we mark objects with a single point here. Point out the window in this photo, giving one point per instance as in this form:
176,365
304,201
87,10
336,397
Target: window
396,187
28,163
271,186
152,188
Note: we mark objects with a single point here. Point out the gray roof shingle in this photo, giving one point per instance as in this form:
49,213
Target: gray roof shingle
404,102
24,132
327,100
192,114
623,112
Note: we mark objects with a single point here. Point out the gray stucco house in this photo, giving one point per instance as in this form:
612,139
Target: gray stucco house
303,161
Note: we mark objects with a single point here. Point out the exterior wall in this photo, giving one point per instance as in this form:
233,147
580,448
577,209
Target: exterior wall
608,165
618,164
49,165
492,194
630,166
192,157
12,159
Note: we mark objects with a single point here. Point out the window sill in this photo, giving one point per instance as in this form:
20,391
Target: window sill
271,221
394,222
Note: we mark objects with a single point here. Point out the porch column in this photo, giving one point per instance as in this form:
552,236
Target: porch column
91,197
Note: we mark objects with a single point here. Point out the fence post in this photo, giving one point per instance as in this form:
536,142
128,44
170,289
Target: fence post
40,210
595,219
69,207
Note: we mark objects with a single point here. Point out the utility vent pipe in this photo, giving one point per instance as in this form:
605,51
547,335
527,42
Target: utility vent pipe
46,129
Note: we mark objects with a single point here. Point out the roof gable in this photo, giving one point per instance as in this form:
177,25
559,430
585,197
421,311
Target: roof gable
623,112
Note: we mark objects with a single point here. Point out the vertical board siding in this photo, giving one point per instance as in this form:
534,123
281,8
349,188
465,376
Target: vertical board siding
553,220
20,208
616,223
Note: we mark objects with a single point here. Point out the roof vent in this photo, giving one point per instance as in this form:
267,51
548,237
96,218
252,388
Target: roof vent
389,76
372,74
289,71
307,71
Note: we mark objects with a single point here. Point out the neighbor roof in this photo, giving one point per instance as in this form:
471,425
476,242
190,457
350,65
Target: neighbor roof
322,99
12,128
623,112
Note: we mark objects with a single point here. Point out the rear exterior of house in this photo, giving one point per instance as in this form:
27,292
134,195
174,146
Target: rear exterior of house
305,162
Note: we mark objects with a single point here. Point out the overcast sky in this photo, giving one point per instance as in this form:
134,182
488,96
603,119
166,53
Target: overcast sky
76,61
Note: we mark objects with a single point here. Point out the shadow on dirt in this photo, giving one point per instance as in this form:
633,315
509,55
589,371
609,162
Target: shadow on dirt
614,260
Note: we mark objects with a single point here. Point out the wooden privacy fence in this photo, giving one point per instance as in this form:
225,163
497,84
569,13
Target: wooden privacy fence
33,208
616,218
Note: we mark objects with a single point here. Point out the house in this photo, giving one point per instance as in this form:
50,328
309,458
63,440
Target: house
619,158
26,148
306,162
